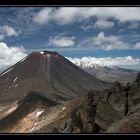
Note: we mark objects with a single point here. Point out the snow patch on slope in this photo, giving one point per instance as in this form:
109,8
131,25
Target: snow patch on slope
41,52
15,79
63,108
39,113
6,72
16,85
23,59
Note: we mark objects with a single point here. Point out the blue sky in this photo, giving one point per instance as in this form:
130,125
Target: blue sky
97,31
72,31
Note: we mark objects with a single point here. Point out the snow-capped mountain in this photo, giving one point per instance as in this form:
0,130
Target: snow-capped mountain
127,61
107,69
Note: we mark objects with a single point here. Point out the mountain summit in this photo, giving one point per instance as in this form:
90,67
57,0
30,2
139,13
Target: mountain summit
48,73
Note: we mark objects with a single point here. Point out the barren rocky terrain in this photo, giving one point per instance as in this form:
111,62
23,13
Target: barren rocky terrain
45,93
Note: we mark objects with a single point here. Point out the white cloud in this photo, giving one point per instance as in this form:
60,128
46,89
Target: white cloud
59,41
103,24
7,31
137,46
10,55
106,43
60,15
43,16
126,61
66,15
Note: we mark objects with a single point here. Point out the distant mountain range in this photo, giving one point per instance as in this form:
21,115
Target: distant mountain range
105,71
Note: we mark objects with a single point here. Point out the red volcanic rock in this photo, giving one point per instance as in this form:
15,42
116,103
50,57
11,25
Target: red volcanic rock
36,56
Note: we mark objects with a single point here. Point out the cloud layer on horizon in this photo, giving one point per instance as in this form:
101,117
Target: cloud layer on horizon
11,55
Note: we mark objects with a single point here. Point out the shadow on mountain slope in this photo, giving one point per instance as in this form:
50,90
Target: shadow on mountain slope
30,104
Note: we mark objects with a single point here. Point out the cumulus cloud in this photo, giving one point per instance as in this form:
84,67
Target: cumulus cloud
61,41
43,16
66,15
7,31
10,55
101,24
60,15
106,43
127,61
